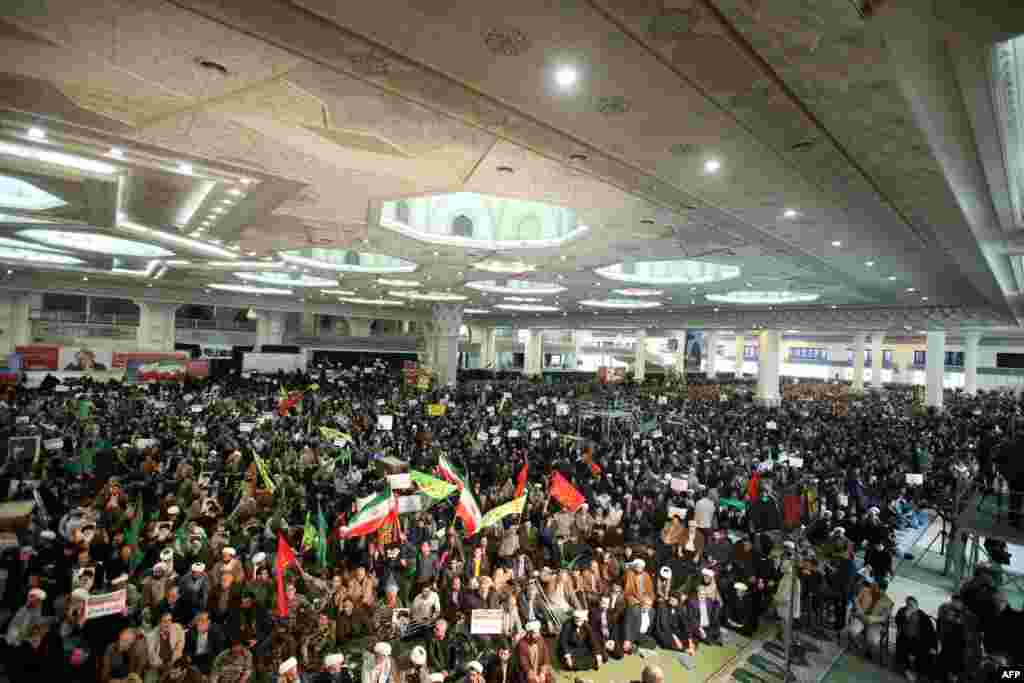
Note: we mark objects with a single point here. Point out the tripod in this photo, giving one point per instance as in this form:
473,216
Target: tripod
945,532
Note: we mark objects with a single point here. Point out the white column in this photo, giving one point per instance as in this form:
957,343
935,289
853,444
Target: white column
309,325
680,355
269,328
768,361
971,340
858,362
156,326
15,326
741,347
838,353
711,366
876,359
640,357
934,368
359,327
489,348
447,322
533,353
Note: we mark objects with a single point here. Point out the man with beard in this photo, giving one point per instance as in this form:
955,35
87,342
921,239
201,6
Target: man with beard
195,590
318,644
703,612
440,651
670,627
234,665
637,629
604,627
250,622
334,670
576,645
533,656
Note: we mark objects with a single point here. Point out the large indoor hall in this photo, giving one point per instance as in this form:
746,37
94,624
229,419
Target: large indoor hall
556,341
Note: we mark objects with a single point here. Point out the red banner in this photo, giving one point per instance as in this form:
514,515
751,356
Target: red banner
199,368
122,358
39,357
565,493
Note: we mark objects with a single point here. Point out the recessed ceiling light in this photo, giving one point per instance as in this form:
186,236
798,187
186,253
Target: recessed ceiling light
790,213
236,192
505,169
116,153
716,309
218,209
833,306
869,264
712,166
924,298
437,253
911,289
647,221
85,278
185,168
36,133
563,257
229,202
892,277
566,77
836,243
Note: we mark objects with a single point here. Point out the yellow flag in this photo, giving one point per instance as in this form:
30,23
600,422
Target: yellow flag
495,515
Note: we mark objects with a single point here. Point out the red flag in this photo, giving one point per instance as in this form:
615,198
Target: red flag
595,469
521,480
565,493
753,488
285,558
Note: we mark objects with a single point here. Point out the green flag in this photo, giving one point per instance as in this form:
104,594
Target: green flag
309,534
432,486
321,548
495,515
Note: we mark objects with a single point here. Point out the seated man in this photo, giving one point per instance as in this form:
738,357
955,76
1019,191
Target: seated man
870,615
533,657
605,627
502,668
916,640
637,629
440,652
577,648
704,616
670,628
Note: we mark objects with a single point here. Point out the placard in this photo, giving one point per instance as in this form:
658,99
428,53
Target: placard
562,409
681,512
495,441
484,622
106,604
408,504
53,444
246,427
915,479
513,433
385,422
771,425
535,434
679,484
400,481
494,430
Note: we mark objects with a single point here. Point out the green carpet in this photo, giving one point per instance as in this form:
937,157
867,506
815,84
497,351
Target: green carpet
855,669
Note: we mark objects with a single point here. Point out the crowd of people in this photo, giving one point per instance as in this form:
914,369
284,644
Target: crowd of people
159,544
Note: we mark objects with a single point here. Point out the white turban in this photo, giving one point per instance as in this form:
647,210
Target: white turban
666,573
707,572
383,649
38,593
334,660
418,656
230,551
475,667
580,614
532,626
199,567
287,665
174,510
259,558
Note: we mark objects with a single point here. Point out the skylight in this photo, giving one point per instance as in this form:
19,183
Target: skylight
18,194
95,242
1008,84
750,297
286,279
676,272
515,287
346,261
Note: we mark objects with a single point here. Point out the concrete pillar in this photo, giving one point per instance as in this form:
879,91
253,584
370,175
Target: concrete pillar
447,322
640,357
533,353
904,358
15,326
858,361
877,355
679,357
838,355
156,326
269,328
359,327
769,359
934,368
309,327
711,362
489,348
741,348
971,341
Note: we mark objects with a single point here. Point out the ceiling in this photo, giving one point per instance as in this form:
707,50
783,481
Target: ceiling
786,144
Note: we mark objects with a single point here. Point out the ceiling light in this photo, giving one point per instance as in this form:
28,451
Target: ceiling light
716,309
892,277
179,262
218,209
185,168
32,256
116,153
185,242
836,243
528,308
36,133
790,213
869,264
398,283
249,289
246,181
499,266
749,297
370,302
58,158
85,278
712,166
475,311
674,272
284,278
619,303
95,242
428,296
911,289
833,306
636,291
236,192
924,298
566,77
523,299
228,202
338,292
516,287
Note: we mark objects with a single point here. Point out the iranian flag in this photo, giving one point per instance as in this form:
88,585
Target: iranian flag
468,511
449,473
378,511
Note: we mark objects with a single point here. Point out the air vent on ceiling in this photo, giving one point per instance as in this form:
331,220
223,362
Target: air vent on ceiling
682,149
803,145
612,105
507,42
211,65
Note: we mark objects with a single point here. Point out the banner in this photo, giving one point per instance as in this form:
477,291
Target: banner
436,409
565,493
37,357
106,604
495,515
487,622
407,504
432,486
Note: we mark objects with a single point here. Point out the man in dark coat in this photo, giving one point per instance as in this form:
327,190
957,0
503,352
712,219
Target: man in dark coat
577,647
916,640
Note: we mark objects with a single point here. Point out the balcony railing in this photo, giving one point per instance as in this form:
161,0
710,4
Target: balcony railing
202,324
116,319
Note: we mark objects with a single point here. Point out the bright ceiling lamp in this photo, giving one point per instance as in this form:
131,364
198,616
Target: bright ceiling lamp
475,311
345,261
248,265
59,158
515,287
1007,83
635,291
32,256
507,267
748,297
95,242
529,308
185,242
428,296
11,218
522,299
477,221
18,194
249,289
140,272
338,292
20,244
675,272
370,302
397,283
287,279
619,303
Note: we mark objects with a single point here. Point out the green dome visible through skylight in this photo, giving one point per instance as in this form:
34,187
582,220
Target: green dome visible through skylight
475,220
676,272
